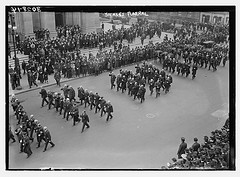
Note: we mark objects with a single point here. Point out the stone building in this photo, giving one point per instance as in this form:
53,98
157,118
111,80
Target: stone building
28,22
214,17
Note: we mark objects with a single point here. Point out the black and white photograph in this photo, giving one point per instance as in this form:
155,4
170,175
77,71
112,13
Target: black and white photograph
120,88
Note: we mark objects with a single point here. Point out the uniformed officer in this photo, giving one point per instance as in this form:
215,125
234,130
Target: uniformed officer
67,108
48,139
44,95
26,145
85,120
194,71
123,83
57,100
39,133
158,87
102,106
109,110
50,99
86,98
91,99
135,90
151,86
32,126
142,92
75,114
81,94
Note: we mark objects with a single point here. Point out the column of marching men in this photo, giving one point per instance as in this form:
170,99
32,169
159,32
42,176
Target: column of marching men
135,83
67,105
28,126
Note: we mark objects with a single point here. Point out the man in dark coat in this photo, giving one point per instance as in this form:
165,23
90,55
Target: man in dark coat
43,93
75,114
24,67
109,110
113,78
39,133
67,108
195,145
194,71
81,94
47,137
182,147
26,145
50,99
71,93
85,120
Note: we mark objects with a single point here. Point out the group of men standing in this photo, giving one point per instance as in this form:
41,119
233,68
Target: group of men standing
27,126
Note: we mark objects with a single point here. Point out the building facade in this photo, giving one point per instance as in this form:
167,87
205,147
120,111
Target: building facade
177,17
215,17
28,22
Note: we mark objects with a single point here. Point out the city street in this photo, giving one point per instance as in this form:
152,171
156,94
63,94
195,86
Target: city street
140,136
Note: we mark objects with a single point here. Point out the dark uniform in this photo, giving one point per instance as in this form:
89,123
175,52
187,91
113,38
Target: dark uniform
109,111
194,71
47,137
86,98
81,94
141,93
26,145
151,86
158,87
39,133
50,99
91,99
75,114
85,120
102,106
182,147
67,108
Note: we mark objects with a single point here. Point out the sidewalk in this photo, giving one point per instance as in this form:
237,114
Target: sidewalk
51,80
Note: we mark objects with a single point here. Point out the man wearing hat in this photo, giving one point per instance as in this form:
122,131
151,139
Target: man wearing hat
39,133
26,145
113,78
109,110
85,120
47,137
50,99
182,147
81,94
195,145
75,114
67,108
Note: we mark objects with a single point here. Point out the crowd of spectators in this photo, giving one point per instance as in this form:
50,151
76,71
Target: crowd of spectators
212,154
63,53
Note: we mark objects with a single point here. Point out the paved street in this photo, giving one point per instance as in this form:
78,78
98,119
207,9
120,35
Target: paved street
143,135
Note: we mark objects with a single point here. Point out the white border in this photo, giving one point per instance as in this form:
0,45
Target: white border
4,173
